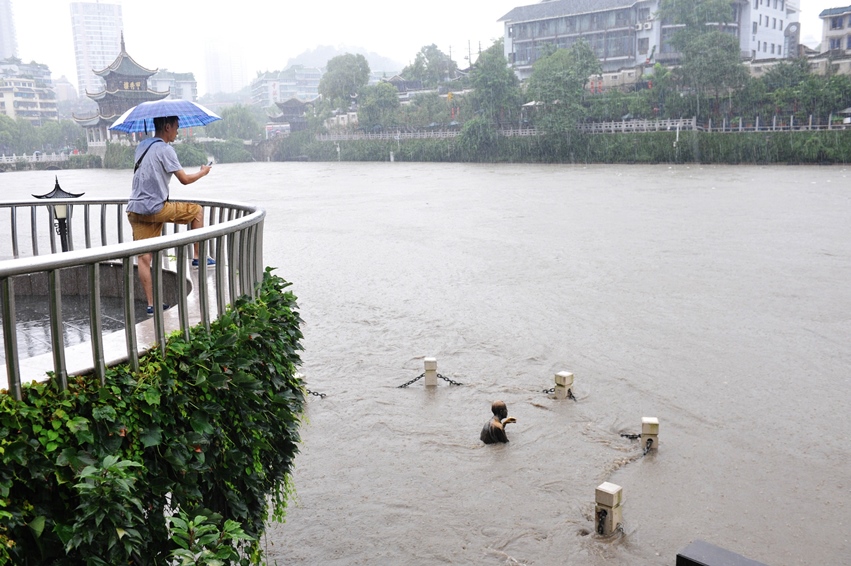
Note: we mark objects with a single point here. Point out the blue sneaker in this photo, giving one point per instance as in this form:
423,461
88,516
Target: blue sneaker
210,262
151,308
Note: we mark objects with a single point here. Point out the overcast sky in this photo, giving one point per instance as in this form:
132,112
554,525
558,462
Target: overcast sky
173,34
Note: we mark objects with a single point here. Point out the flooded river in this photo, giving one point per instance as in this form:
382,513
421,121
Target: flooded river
714,298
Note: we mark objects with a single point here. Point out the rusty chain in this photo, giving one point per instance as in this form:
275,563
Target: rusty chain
443,377
420,376
570,394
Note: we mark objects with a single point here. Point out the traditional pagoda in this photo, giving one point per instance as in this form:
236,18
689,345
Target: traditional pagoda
126,86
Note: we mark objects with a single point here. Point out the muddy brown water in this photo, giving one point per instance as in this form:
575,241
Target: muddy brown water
714,298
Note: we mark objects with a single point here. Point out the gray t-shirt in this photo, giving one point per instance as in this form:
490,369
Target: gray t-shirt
150,182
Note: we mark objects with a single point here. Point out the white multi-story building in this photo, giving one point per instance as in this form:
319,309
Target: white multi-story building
836,29
96,28
628,33
8,39
24,97
768,29
298,82
178,85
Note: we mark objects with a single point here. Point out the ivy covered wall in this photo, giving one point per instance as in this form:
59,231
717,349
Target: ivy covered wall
478,145
89,475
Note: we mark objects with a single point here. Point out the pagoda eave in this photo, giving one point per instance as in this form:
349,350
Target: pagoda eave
94,121
140,95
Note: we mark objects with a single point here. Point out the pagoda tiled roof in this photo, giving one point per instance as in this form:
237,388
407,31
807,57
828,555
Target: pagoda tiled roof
556,8
125,66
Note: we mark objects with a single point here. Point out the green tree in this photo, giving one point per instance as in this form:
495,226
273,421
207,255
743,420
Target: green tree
696,14
431,66
237,123
378,105
711,60
786,74
28,139
711,63
8,135
496,93
557,87
62,134
345,76
424,109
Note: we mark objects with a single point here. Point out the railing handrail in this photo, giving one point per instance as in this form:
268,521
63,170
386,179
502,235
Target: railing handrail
87,256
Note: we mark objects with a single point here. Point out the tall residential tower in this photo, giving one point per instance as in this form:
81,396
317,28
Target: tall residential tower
96,28
8,40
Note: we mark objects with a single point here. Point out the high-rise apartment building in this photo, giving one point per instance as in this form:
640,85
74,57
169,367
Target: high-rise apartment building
8,39
96,28
628,33
226,70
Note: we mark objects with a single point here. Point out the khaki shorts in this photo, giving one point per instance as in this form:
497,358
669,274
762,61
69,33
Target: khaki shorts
151,225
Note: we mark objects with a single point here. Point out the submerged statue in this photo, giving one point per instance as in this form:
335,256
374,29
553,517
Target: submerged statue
494,429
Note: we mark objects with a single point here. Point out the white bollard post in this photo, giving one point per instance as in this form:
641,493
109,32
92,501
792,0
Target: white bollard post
608,510
649,433
430,372
564,383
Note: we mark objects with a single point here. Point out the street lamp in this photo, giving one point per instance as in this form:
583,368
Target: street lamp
60,213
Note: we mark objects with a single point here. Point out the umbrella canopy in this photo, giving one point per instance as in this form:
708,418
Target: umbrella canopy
141,118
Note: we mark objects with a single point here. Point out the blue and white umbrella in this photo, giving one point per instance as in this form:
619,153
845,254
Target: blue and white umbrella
141,118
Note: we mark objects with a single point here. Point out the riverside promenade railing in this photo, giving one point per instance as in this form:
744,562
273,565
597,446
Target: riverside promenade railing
233,236
34,158
734,125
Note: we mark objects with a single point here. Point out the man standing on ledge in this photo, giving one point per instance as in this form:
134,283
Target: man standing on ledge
149,207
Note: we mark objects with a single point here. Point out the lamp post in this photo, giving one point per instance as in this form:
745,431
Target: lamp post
60,213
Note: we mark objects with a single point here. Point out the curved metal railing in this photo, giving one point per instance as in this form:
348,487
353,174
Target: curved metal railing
233,236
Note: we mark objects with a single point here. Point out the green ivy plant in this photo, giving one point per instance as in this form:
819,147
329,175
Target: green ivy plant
213,424
203,543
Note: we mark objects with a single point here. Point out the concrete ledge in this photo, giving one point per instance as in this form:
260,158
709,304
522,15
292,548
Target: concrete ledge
700,553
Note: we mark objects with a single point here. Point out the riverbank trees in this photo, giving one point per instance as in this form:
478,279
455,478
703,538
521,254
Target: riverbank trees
19,136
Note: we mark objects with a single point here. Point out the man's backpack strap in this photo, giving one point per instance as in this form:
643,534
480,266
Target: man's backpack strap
145,153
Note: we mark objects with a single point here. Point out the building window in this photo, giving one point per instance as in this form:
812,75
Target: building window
773,23
754,28
772,49
644,45
836,23
781,25
835,43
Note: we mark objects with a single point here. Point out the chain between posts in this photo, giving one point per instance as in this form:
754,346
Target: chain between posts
552,390
647,446
320,395
420,376
443,377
